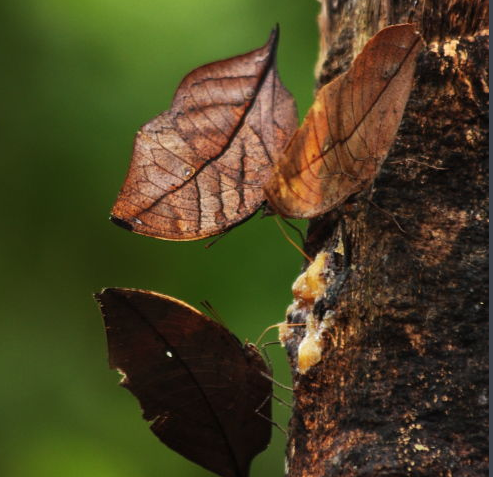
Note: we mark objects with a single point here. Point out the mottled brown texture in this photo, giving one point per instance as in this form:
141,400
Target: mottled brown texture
202,391
402,386
348,131
198,169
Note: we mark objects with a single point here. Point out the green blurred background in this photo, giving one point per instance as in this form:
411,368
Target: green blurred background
78,79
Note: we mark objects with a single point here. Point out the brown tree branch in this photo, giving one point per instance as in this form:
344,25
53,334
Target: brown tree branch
390,373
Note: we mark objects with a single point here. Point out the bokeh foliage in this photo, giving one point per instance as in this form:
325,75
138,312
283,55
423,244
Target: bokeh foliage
78,79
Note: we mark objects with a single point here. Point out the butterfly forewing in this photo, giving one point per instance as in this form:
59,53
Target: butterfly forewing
197,385
198,169
349,130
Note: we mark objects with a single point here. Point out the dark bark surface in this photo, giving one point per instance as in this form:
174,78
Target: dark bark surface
400,383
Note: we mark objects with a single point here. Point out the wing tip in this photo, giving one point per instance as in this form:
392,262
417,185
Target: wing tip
124,224
274,37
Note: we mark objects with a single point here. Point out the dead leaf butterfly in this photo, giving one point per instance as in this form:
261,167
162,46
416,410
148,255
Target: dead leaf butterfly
203,392
348,131
188,180
198,169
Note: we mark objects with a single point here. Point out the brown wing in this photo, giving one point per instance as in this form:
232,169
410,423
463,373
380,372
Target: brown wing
198,169
195,382
347,133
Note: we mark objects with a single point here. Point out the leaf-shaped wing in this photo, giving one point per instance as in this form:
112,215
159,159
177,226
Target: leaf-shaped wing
196,384
347,133
198,169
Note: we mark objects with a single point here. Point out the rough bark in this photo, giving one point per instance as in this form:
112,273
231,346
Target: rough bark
401,384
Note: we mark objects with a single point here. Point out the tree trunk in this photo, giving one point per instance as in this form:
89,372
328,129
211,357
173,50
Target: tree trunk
390,371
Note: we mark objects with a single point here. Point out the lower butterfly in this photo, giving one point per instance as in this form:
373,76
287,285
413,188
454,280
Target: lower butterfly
206,395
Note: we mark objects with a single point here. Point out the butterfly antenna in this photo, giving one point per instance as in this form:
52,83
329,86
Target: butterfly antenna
277,325
296,229
271,327
291,241
219,237
263,347
213,312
